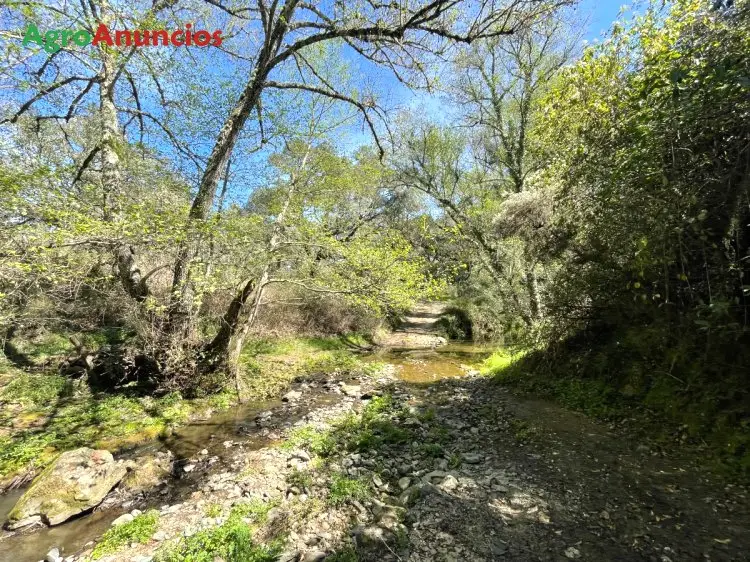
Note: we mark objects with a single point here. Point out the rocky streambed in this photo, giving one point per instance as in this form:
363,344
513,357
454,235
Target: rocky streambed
426,462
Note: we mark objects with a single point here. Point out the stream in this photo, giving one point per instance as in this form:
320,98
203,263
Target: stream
417,367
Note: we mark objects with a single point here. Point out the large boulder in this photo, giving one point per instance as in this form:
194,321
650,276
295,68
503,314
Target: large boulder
76,481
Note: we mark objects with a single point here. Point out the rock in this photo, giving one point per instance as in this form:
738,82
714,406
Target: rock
189,468
471,458
159,536
449,483
53,555
291,396
572,553
289,556
409,496
76,481
435,475
353,390
122,519
313,556
148,473
403,483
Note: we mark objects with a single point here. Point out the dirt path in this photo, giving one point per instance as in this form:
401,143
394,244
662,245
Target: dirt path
419,329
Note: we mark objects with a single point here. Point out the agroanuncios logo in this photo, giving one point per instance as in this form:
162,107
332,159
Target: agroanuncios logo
56,39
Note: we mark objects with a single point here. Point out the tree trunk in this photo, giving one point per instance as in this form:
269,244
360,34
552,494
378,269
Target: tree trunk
224,350
180,310
532,286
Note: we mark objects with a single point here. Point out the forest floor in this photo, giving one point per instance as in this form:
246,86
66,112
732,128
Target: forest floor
453,467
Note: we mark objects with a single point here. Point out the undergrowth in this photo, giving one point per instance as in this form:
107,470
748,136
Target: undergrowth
139,530
684,388
45,413
232,541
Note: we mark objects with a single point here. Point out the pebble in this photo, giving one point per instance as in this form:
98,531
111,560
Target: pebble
572,553
403,483
53,555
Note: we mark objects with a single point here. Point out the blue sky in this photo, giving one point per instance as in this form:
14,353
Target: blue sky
393,95
602,13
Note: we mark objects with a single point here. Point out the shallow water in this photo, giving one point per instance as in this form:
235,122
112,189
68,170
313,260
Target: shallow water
414,366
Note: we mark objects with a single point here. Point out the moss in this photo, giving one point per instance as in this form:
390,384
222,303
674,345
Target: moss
139,530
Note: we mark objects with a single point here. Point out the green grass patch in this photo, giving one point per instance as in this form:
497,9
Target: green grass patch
343,489
139,530
231,541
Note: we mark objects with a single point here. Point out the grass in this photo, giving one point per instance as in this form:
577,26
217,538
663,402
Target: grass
376,426
501,360
343,489
214,510
270,365
139,530
232,541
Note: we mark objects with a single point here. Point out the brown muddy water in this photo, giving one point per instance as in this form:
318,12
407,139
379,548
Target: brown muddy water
418,367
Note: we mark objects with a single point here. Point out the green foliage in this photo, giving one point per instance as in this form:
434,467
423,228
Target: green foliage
139,530
376,426
664,377
343,489
44,416
456,324
231,541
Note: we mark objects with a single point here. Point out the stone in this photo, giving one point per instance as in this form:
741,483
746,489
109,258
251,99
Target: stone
409,496
435,475
189,468
449,483
353,390
291,396
471,458
53,555
159,536
572,553
403,483
76,481
148,473
313,556
122,519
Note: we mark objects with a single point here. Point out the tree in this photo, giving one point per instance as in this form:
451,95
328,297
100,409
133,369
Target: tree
394,35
